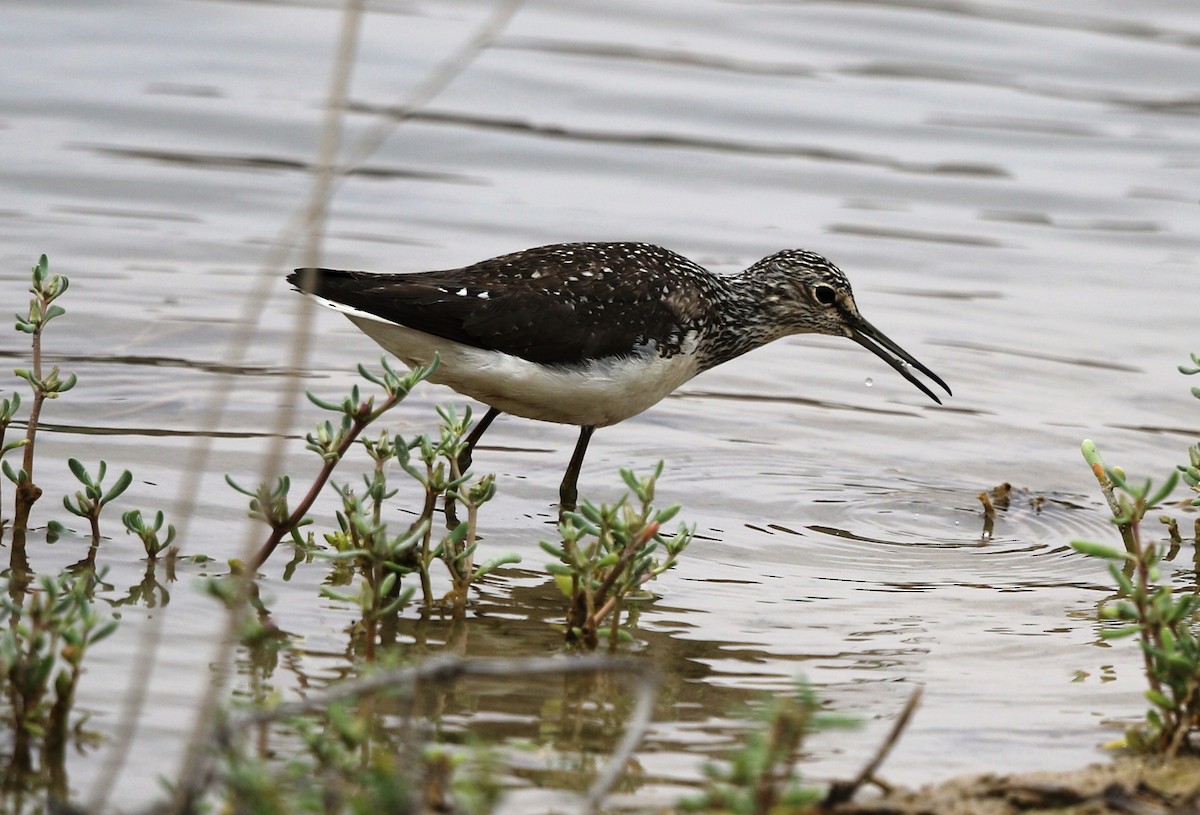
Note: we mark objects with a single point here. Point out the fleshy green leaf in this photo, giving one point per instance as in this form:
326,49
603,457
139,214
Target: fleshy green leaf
1160,699
1098,550
122,484
497,562
79,470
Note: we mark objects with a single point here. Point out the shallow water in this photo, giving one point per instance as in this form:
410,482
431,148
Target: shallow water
1011,189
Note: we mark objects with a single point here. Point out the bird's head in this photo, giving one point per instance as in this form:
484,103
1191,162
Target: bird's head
804,293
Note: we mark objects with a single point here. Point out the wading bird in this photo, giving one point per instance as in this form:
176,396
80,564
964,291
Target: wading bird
589,334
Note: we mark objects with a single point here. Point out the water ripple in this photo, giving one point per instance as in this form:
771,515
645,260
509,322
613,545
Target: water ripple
944,536
685,141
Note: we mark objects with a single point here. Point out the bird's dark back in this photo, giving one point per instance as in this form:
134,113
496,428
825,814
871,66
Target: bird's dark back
558,304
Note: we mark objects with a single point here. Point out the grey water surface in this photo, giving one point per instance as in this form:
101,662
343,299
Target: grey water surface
1011,186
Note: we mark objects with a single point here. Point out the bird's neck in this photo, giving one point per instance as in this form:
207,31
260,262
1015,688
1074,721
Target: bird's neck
743,318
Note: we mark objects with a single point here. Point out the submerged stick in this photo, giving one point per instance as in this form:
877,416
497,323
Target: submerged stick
843,791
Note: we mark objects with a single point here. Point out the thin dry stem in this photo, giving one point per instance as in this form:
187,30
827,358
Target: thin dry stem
243,331
183,800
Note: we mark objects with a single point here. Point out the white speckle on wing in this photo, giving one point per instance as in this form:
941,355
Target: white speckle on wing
349,311
462,292
483,295
535,275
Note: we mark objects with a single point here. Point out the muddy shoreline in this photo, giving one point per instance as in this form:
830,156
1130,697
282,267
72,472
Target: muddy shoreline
1124,785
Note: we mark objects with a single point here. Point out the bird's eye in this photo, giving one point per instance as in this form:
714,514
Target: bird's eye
825,295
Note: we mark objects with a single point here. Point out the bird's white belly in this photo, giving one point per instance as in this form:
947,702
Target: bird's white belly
598,393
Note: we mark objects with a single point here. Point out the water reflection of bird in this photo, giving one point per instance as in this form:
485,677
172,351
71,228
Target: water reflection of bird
590,334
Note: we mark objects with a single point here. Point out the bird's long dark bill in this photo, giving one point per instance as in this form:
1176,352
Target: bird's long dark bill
875,341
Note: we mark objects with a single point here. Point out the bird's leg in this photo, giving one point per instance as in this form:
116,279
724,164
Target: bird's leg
464,459
568,491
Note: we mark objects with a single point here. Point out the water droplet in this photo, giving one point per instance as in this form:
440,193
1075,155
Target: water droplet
869,382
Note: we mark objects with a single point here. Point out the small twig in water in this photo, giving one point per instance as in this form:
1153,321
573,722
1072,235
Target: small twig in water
843,791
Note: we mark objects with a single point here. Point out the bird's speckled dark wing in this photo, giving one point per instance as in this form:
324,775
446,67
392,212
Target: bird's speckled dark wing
556,304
